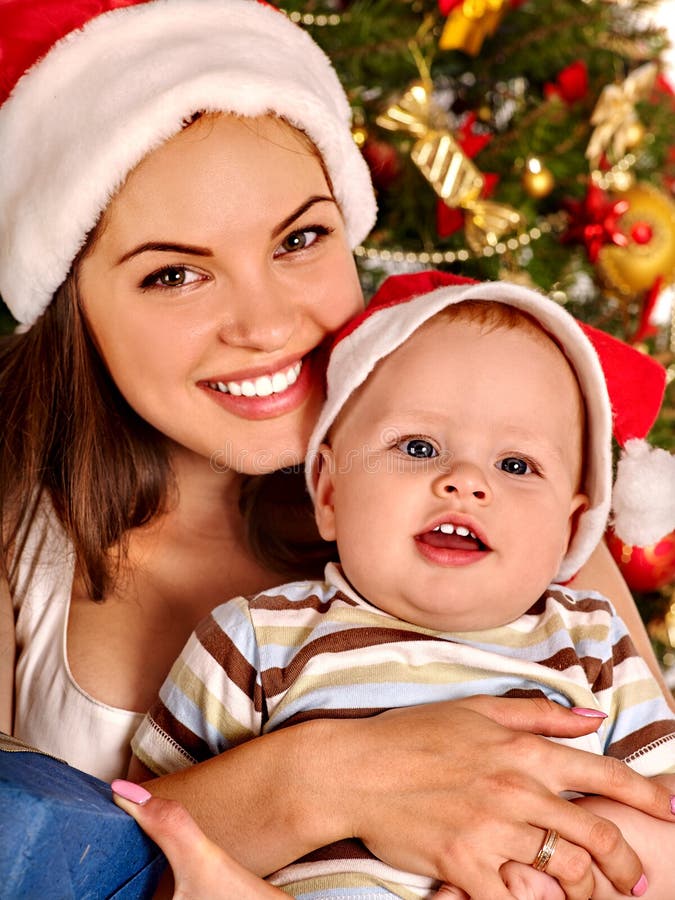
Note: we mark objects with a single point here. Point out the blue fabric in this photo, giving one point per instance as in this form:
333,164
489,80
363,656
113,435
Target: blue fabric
62,837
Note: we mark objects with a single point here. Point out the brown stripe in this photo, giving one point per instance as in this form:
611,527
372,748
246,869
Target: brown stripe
632,743
623,649
227,656
187,740
309,715
525,694
313,601
561,660
347,849
582,604
276,680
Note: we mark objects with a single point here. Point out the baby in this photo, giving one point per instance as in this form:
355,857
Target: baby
462,463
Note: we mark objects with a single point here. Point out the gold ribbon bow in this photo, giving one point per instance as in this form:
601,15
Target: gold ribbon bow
469,24
614,114
448,169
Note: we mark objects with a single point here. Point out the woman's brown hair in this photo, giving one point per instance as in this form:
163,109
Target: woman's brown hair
71,437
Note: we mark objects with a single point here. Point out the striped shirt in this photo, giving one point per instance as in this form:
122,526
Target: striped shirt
318,650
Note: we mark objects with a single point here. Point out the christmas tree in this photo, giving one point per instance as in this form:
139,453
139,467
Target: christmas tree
529,141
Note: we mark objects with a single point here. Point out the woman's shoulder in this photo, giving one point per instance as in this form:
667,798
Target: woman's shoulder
43,555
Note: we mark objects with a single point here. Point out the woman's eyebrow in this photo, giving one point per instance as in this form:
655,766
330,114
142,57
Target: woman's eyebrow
155,246
317,198
193,250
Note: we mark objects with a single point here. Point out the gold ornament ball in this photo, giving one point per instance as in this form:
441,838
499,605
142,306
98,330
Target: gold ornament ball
634,135
649,224
538,181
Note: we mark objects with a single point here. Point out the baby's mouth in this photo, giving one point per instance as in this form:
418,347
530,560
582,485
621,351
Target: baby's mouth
452,537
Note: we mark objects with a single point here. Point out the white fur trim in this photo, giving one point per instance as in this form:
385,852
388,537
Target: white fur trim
80,120
643,501
356,355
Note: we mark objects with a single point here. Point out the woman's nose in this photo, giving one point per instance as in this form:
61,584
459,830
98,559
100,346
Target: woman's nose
257,316
466,481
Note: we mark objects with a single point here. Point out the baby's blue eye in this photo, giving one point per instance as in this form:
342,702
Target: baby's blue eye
418,448
515,466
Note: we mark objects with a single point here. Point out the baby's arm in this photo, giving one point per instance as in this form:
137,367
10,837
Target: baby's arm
652,839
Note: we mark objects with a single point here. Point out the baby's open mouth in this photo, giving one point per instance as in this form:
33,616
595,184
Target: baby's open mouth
452,537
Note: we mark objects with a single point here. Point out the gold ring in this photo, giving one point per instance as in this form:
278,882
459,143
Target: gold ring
543,858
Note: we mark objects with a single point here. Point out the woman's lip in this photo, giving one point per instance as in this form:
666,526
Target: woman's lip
255,408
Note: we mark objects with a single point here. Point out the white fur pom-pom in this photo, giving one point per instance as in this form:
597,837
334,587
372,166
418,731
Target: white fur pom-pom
643,500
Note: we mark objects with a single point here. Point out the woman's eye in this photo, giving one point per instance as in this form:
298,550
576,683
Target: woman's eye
301,239
171,277
418,448
514,465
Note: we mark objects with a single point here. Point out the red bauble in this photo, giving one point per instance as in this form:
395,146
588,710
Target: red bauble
383,162
645,568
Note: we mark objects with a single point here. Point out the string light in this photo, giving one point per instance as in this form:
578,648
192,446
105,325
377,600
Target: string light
436,257
320,21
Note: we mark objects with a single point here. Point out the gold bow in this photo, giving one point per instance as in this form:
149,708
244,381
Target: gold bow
469,24
448,169
614,114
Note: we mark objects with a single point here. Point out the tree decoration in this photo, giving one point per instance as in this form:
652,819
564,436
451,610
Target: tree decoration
469,23
538,180
448,169
646,256
570,85
594,221
617,127
645,568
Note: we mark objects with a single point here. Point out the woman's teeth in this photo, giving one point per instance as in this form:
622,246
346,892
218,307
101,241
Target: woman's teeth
455,529
259,387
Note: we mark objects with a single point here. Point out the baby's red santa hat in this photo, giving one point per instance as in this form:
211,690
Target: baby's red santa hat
96,85
622,390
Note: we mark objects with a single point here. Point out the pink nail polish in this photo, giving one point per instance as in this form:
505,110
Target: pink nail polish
589,713
641,887
130,791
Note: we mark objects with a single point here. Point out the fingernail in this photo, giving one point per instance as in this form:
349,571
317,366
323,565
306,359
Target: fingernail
641,887
131,791
589,713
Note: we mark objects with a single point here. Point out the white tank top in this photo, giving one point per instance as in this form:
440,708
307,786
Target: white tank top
52,712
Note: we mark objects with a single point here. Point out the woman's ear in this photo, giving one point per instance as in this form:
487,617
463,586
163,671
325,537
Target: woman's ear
324,487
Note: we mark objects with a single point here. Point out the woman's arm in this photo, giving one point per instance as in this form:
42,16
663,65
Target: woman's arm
7,656
602,574
423,787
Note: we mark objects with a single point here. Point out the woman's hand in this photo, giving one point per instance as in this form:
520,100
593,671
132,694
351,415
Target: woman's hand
451,790
455,790
201,870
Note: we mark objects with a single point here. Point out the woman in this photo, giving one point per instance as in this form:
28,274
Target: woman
175,350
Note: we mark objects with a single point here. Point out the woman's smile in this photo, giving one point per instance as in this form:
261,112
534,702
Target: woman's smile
266,396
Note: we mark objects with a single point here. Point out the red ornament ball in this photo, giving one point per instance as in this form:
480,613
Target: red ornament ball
383,162
645,568
642,232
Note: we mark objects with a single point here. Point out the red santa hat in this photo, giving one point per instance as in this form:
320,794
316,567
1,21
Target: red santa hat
622,390
96,85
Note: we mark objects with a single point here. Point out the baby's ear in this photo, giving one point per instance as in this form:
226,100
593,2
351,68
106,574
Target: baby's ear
578,506
324,488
